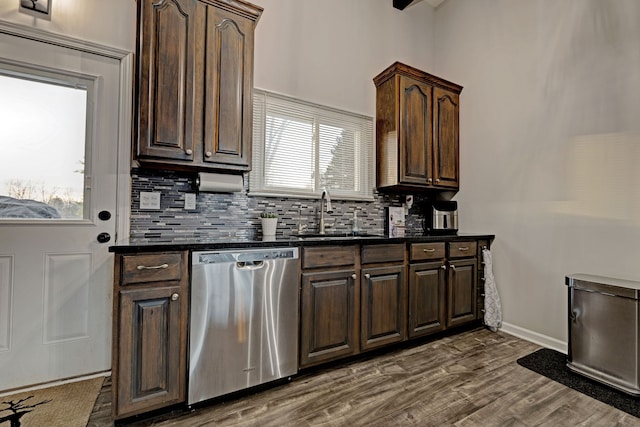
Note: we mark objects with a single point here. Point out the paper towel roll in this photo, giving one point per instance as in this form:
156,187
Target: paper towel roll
219,183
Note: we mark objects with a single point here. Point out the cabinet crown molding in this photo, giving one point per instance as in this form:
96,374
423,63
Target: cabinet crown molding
398,68
239,7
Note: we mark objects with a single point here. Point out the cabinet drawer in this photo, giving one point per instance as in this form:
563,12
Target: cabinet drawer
382,253
462,249
328,256
420,251
152,267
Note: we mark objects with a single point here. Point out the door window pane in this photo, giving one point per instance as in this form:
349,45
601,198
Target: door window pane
42,146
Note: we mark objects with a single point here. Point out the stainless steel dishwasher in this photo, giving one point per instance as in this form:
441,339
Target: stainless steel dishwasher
244,319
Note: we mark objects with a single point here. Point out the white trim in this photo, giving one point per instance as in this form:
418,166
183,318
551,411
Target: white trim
123,192
37,34
123,185
535,337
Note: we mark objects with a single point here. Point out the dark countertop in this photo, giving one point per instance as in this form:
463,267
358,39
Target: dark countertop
286,241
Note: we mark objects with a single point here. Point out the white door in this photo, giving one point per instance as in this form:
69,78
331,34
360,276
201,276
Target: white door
59,130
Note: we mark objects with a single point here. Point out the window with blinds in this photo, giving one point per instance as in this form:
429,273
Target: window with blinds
299,148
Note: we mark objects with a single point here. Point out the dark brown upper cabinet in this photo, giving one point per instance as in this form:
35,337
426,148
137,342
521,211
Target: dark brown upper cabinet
417,130
194,83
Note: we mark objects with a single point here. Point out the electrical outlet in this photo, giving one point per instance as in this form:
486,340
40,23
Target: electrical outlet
149,200
189,201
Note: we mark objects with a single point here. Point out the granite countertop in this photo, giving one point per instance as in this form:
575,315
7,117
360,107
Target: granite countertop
285,241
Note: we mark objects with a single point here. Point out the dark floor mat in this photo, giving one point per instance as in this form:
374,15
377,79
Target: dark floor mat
552,364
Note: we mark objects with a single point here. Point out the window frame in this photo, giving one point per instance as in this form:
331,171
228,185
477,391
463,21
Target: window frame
362,127
71,80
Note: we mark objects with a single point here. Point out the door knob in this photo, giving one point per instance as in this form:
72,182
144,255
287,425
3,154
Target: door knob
104,237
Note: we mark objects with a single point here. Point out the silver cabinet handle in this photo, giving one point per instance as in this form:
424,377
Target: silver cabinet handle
188,151
437,180
208,154
429,250
429,180
175,297
463,248
368,276
353,276
444,267
154,267
453,267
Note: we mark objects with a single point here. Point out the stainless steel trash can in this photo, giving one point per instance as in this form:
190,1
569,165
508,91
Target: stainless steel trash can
603,330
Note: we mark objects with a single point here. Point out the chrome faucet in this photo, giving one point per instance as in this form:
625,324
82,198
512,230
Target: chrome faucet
325,196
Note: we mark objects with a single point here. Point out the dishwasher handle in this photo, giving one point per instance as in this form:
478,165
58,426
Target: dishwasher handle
249,265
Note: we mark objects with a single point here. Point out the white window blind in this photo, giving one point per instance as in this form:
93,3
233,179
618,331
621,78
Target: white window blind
299,148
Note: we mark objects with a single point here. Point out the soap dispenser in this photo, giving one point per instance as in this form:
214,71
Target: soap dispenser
355,229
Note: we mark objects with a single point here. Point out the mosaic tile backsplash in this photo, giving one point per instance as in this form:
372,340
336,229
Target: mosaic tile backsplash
236,216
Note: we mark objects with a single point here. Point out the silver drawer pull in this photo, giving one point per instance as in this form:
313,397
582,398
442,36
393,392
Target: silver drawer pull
154,267
175,297
429,250
463,248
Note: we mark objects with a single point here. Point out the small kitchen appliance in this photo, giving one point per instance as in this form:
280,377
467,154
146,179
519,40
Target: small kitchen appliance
441,217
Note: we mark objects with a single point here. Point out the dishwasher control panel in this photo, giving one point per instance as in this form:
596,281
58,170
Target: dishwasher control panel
244,255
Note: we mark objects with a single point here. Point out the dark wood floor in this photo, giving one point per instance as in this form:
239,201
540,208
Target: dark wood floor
470,379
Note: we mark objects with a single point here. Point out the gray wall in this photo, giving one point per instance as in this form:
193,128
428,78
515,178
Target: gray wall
549,144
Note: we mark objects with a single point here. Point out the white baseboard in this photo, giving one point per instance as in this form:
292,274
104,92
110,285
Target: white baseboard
535,337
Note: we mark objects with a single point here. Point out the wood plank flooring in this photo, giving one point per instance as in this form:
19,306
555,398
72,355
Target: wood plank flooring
469,379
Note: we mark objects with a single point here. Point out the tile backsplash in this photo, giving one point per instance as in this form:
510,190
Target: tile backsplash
236,215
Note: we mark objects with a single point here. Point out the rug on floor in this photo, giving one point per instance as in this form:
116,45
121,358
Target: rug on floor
66,405
553,365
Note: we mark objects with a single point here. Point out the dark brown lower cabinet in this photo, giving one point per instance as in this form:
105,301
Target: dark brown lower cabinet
150,333
427,298
328,316
383,306
462,285
150,342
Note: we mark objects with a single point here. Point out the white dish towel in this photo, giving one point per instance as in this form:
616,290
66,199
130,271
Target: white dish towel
492,306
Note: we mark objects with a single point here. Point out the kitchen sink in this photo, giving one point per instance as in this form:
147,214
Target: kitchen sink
335,236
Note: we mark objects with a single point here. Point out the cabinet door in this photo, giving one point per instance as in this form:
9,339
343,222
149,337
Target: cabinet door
382,306
328,318
416,138
445,139
426,298
228,86
462,291
151,349
167,62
